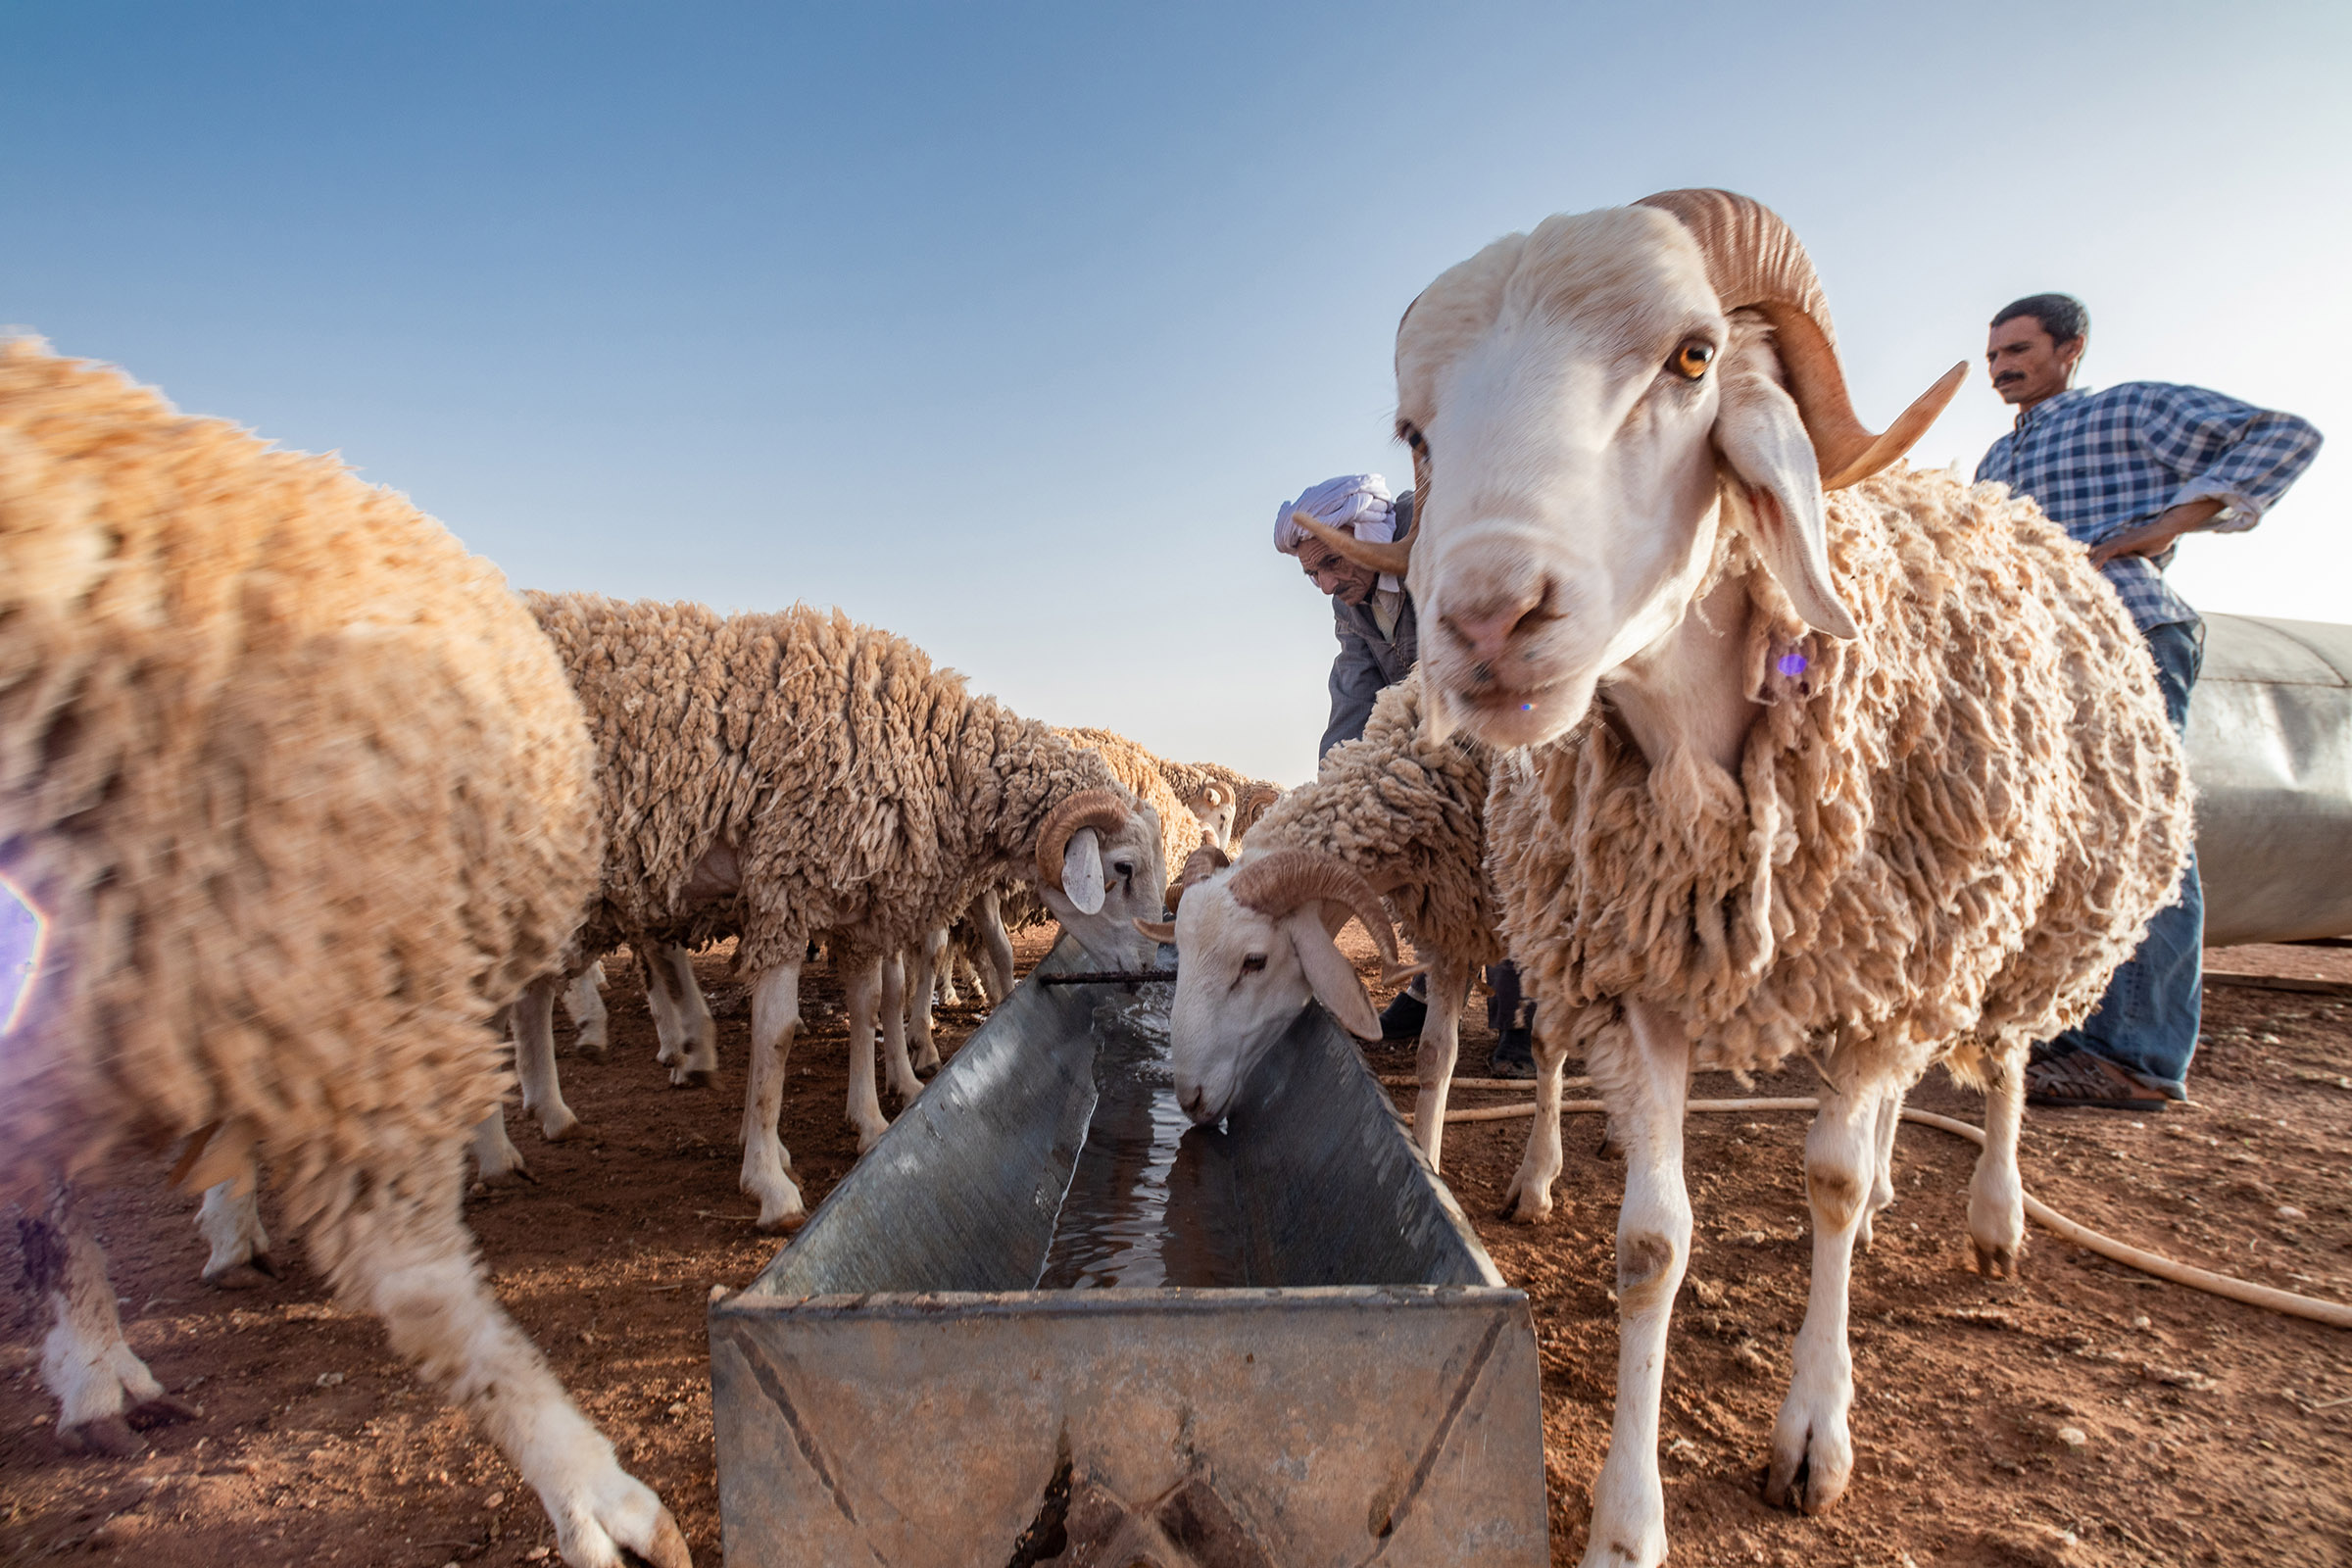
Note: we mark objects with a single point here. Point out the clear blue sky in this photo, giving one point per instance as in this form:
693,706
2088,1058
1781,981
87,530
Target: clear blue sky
1006,327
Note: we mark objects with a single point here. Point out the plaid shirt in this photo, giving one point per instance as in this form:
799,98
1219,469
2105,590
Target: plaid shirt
2100,462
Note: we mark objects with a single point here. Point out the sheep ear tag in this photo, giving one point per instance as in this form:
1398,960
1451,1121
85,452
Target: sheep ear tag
1082,870
1330,975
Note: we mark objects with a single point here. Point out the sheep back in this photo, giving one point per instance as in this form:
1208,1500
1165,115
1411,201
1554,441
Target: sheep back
865,794
1945,833
1410,813
301,789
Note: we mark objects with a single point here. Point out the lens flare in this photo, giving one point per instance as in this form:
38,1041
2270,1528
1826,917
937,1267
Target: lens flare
24,941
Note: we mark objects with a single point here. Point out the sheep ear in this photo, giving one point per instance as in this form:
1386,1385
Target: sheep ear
1763,442
1330,975
1082,870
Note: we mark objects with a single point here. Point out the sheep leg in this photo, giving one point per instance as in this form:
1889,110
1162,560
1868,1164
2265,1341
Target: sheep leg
1529,1197
230,1222
100,1387
400,1252
1812,1451
927,968
1997,1193
1647,1093
945,983
682,1019
862,991
995,981
494,1156
584,1004
1882,1174
533,1018
902,1081
766,1165
1440,1041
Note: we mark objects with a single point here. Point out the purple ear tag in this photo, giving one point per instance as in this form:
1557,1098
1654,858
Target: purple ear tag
1793,664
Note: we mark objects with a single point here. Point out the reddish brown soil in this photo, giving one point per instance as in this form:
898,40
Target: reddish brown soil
2215,1433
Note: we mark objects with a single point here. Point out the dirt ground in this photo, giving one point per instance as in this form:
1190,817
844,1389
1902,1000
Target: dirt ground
2208,1432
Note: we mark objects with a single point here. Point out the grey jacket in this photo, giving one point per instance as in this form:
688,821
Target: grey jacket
1368,662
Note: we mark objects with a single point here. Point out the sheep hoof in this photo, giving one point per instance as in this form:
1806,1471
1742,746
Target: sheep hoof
161,1410
108,1435
693,1077
868,1137
1523,1204
560,1131
1996,1262
592,1049
248,1275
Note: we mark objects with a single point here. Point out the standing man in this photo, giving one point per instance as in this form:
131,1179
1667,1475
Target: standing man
2127,472
1372,616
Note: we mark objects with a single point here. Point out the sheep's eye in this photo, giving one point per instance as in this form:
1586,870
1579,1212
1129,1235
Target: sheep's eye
1253,963
1691,360
1412,437
1126,870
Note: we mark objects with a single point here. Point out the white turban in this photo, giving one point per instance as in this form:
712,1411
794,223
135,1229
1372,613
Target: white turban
1358,503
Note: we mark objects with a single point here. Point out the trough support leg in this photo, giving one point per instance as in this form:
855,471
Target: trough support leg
1812,1450
1441,1042
1527,1198
229,1219
766,1165
1646,1092
584,1004
397,1250
100,1387
533,1019
1997,1193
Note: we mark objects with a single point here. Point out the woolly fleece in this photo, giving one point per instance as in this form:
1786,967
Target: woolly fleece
1945,834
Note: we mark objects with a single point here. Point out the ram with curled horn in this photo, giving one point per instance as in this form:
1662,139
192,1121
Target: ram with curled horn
1262,934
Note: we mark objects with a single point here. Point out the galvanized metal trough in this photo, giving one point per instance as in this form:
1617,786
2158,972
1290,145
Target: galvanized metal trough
1359,1387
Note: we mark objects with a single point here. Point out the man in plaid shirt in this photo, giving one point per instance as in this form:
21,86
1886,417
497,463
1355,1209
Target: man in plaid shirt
2127,472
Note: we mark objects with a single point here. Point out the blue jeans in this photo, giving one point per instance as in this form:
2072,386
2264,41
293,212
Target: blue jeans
2147,1022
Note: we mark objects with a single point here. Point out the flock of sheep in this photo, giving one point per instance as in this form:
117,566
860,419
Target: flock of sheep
1744,746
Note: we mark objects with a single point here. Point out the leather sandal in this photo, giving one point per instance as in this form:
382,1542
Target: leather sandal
2079,1078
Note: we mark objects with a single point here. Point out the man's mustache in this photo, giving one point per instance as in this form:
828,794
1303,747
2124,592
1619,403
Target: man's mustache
2007,376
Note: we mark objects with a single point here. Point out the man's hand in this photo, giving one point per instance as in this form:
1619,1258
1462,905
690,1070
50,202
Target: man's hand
2158,534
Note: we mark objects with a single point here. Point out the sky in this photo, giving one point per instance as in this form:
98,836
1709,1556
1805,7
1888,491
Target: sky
1009,326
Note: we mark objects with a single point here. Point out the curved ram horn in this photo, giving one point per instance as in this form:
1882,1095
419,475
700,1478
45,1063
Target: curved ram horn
1100,810
1389,558
1754,260
1199,866
1157,930
1279,883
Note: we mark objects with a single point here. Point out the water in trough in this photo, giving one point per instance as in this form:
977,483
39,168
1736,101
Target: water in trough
1148,1205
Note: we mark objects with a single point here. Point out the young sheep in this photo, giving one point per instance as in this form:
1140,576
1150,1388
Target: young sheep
304,799
784,777
1395,808
1885,781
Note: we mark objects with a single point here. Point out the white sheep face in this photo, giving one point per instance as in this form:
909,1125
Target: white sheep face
1215,809
1109,881
1242,977
1569,394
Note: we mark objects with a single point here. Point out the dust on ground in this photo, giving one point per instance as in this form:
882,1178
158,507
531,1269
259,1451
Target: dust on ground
2210,1432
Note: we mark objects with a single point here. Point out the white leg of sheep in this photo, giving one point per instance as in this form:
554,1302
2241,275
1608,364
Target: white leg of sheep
1527,1198
1996,1193
532,1019
926,969
946,983
584,1004
230,1222
988,912
400,1252
1882,1176
1441,1042
766,1164
494,1156
682,1019
100,1386
896,1062
1646,1085
1812,1451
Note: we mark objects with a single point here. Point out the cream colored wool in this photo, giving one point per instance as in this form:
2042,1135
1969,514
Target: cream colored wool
1251,796
1409,815
297,783
1945,834
865,795
1146,775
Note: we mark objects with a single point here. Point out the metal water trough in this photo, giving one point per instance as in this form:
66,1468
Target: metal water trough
893,1390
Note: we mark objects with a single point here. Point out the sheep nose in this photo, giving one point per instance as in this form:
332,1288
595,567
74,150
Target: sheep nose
1486,630
1191,1100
